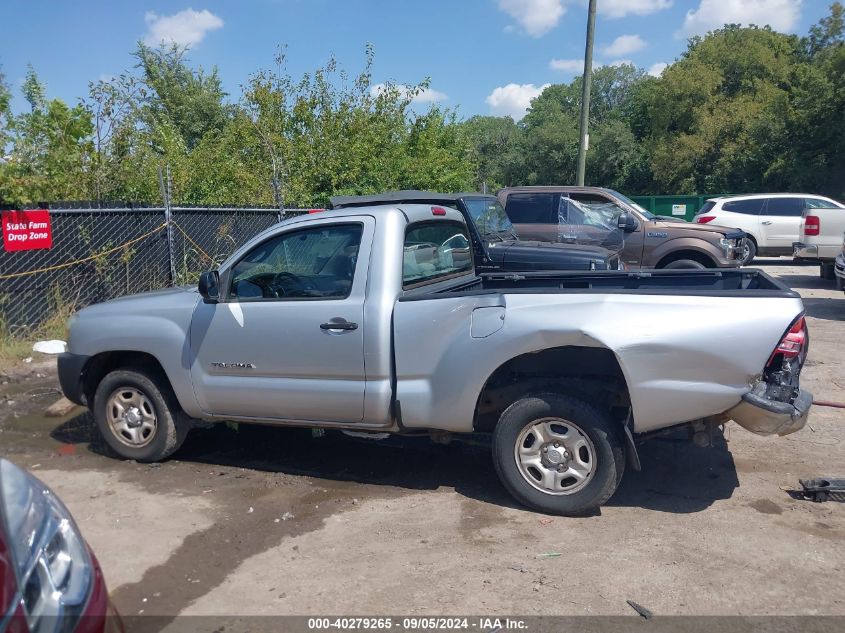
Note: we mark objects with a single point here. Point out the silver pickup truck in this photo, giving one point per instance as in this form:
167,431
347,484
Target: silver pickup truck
373,319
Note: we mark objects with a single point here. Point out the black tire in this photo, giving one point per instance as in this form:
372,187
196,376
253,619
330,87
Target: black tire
840,283
750,254
684,263
608,451
827,272
169,431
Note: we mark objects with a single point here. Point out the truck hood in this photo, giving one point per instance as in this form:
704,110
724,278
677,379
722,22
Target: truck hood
697,229
536,255
173,300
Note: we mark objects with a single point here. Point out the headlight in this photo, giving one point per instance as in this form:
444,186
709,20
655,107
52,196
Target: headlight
52,563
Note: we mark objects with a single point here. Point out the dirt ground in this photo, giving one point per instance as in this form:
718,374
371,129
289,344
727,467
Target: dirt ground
275,521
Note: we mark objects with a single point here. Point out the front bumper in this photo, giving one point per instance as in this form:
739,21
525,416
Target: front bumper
805,251
764,416
71,368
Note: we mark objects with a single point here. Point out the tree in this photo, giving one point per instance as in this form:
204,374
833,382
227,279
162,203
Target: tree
704,114
50,149
190,102
495,150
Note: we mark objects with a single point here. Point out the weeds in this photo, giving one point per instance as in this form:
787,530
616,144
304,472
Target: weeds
16,343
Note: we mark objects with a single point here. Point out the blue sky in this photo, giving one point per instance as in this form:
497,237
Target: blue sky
483,56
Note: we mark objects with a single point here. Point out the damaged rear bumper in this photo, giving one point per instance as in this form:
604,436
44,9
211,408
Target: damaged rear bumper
765,416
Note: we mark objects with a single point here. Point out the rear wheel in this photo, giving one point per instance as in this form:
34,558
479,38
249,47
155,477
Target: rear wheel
137,415
558,454
684,263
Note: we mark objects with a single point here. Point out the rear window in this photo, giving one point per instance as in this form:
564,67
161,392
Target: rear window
532,208
707,206
435,251
748,207
785,207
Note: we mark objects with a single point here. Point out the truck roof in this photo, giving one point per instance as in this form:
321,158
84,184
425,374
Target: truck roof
407,196
410,212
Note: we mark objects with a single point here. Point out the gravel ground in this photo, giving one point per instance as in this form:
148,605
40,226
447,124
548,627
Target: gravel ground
275,521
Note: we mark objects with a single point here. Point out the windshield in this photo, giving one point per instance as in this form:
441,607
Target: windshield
489,216
648,214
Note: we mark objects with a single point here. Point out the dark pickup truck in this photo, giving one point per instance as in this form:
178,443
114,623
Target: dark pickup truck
496,245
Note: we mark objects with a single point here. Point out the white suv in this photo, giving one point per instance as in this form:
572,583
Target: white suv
771,220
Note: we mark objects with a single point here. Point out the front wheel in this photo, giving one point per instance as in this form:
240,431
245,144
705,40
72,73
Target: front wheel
557,454
137,415
749,252
689,264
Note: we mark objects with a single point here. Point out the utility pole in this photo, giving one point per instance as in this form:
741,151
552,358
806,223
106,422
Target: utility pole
586,80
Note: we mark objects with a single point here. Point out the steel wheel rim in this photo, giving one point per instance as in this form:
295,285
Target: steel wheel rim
131,417
555,470
746,252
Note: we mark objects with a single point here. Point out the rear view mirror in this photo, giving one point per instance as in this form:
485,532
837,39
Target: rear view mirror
209,286
627,222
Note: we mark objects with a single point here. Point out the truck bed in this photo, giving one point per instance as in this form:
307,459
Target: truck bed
709,282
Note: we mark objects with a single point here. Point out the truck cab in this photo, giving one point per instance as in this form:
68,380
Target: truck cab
495,243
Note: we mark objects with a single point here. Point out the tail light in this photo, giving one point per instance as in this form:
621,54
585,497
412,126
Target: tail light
792,343
812,225
438,211
704,219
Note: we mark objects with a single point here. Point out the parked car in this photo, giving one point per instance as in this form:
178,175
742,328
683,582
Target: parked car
496,245
771,220
50,580
552,213
820,238
375,319
839,268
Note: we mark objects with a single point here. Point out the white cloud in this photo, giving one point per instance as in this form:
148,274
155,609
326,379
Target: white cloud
567,65
537,17
427,95
513,100
625,45
781,15
186,28
657,69
622,8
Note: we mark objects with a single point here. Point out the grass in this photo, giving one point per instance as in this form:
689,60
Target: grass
16,344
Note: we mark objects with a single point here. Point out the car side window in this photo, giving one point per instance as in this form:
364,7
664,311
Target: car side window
785,207
314,263
818,203
746,207
531,208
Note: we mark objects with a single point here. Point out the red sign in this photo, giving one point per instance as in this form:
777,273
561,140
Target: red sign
27,230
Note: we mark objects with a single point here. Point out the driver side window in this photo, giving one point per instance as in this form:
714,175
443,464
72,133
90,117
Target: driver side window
315,263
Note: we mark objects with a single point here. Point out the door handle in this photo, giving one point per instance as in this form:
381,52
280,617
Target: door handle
766,222
338,325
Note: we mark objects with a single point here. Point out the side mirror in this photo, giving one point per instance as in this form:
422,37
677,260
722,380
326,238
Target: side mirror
627,223
209,286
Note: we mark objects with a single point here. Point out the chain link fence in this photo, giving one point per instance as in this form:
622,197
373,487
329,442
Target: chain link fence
107,252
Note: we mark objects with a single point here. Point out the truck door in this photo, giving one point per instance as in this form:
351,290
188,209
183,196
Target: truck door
607,212
286,342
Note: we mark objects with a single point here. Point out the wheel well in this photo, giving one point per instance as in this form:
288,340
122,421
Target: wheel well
590,371
701,258
102,364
